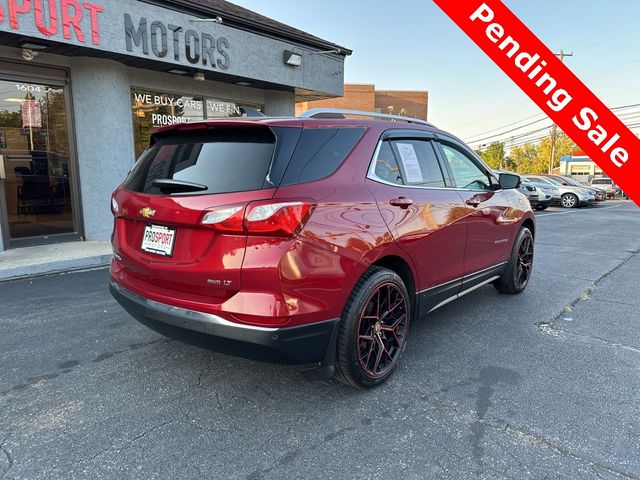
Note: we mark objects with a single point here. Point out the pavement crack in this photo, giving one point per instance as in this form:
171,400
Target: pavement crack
69,367
127,445
522,436
549,326
609,343
7,455
626,304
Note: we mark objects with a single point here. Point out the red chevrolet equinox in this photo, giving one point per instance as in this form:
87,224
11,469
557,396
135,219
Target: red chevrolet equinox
312,240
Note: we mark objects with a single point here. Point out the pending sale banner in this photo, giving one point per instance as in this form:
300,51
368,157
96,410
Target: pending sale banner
552,86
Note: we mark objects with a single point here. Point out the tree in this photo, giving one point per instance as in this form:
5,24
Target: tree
525,158
494,155
564,146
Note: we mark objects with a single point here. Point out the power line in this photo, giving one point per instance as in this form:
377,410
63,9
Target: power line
484,139
513,130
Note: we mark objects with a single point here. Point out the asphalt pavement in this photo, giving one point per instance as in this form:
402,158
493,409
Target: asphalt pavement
544,385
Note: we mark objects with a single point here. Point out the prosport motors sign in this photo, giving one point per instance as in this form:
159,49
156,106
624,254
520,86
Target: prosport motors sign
82,21
134,28
549,83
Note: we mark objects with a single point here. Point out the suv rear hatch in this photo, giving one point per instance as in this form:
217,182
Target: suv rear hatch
186,173
185,212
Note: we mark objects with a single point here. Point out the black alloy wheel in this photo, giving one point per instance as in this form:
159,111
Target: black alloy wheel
517,272
374,329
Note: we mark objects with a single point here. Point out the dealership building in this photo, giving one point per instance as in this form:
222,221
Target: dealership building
83,83
579,166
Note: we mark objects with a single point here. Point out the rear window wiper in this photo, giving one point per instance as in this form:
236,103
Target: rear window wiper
178,186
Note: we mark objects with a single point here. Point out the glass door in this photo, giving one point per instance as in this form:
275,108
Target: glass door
35,161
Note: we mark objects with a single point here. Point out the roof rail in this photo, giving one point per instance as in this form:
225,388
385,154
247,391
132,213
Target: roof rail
340,113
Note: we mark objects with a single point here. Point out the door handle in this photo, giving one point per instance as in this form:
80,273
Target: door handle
401,202
472,202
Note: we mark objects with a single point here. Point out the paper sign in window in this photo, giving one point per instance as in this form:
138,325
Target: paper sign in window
410,163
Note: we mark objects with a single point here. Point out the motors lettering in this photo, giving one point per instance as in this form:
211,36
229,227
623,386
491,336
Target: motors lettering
163,40
51,15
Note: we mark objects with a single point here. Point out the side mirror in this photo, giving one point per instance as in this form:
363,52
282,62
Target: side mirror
508,180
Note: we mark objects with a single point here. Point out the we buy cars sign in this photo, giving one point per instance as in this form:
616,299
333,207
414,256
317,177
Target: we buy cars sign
552,86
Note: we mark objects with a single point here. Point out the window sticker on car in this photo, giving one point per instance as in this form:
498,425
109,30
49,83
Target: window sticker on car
410,163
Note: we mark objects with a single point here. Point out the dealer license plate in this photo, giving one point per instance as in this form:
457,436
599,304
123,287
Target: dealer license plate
158,240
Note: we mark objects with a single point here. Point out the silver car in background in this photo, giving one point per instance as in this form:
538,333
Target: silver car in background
605,184
601,194
548,194
529,189
570,196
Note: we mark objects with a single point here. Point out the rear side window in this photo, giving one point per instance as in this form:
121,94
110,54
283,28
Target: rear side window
320,151
408,162
419,163
228,160
386,167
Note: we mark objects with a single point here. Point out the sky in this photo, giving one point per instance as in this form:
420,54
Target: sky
413,45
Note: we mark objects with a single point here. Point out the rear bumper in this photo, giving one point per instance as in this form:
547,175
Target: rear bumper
293,345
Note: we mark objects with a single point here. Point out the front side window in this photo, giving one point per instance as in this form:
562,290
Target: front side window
466,172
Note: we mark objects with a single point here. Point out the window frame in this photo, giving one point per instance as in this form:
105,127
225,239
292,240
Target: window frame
412,135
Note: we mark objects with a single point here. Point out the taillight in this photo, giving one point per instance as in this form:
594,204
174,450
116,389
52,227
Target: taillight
260,218
279,219
228,219
114,206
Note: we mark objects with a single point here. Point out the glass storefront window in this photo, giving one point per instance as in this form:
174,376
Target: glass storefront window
153,109
156,109
37,177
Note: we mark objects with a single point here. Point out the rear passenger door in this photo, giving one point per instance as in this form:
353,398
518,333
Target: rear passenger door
424,214
491,227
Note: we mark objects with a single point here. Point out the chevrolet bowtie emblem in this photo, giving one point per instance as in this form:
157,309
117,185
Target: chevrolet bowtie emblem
147,212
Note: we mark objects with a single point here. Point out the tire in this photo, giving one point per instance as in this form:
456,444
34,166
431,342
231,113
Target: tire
569,200
517,273
542,207
371,339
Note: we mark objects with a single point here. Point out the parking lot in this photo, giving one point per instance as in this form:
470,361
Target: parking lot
541,385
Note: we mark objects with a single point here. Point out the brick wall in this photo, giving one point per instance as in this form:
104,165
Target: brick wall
356,97
406,103
366,98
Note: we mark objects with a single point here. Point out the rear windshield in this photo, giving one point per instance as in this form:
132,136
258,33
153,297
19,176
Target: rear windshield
601,181
239,159
230,160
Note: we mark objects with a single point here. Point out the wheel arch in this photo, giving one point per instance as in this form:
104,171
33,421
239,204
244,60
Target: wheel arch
531,226
401,267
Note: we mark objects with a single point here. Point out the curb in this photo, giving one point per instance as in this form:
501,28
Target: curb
62,266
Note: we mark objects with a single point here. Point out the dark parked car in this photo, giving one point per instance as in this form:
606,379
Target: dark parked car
312,240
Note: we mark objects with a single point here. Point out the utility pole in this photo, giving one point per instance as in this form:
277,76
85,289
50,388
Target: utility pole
554,129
